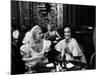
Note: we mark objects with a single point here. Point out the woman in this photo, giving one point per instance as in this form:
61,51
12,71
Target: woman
70,49
54,37
51,34
35,47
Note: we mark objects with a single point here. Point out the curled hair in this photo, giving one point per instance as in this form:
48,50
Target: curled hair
34,31
30,36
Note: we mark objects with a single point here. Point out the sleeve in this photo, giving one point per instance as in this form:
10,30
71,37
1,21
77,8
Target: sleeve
78,52
24,50
26,38
59,47
47,45
76,49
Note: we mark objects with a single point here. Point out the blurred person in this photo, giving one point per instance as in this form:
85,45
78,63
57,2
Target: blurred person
17,65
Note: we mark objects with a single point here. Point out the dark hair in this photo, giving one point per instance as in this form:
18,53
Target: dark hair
67,27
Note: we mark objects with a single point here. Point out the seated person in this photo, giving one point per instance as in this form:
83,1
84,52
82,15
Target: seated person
69,48
54,37
51,34
34,48
17,65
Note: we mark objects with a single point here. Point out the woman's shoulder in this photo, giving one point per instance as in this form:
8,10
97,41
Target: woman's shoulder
61,41
46,45
47,41
73,41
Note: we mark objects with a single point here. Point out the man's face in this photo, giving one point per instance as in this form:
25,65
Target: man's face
67,33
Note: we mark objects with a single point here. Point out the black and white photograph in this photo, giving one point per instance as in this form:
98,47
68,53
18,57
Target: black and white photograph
49,37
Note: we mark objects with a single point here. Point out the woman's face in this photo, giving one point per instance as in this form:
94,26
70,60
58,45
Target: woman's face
39,34
49,28
67,33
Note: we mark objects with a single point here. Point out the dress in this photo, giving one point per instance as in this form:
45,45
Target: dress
53,54
35,57
51,37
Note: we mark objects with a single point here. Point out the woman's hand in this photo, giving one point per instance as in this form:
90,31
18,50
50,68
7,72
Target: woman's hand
68,51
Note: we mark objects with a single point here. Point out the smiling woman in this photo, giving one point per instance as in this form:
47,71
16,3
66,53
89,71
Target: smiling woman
70,48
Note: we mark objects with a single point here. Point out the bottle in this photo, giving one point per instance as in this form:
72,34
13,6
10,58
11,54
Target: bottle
64,61
57,68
